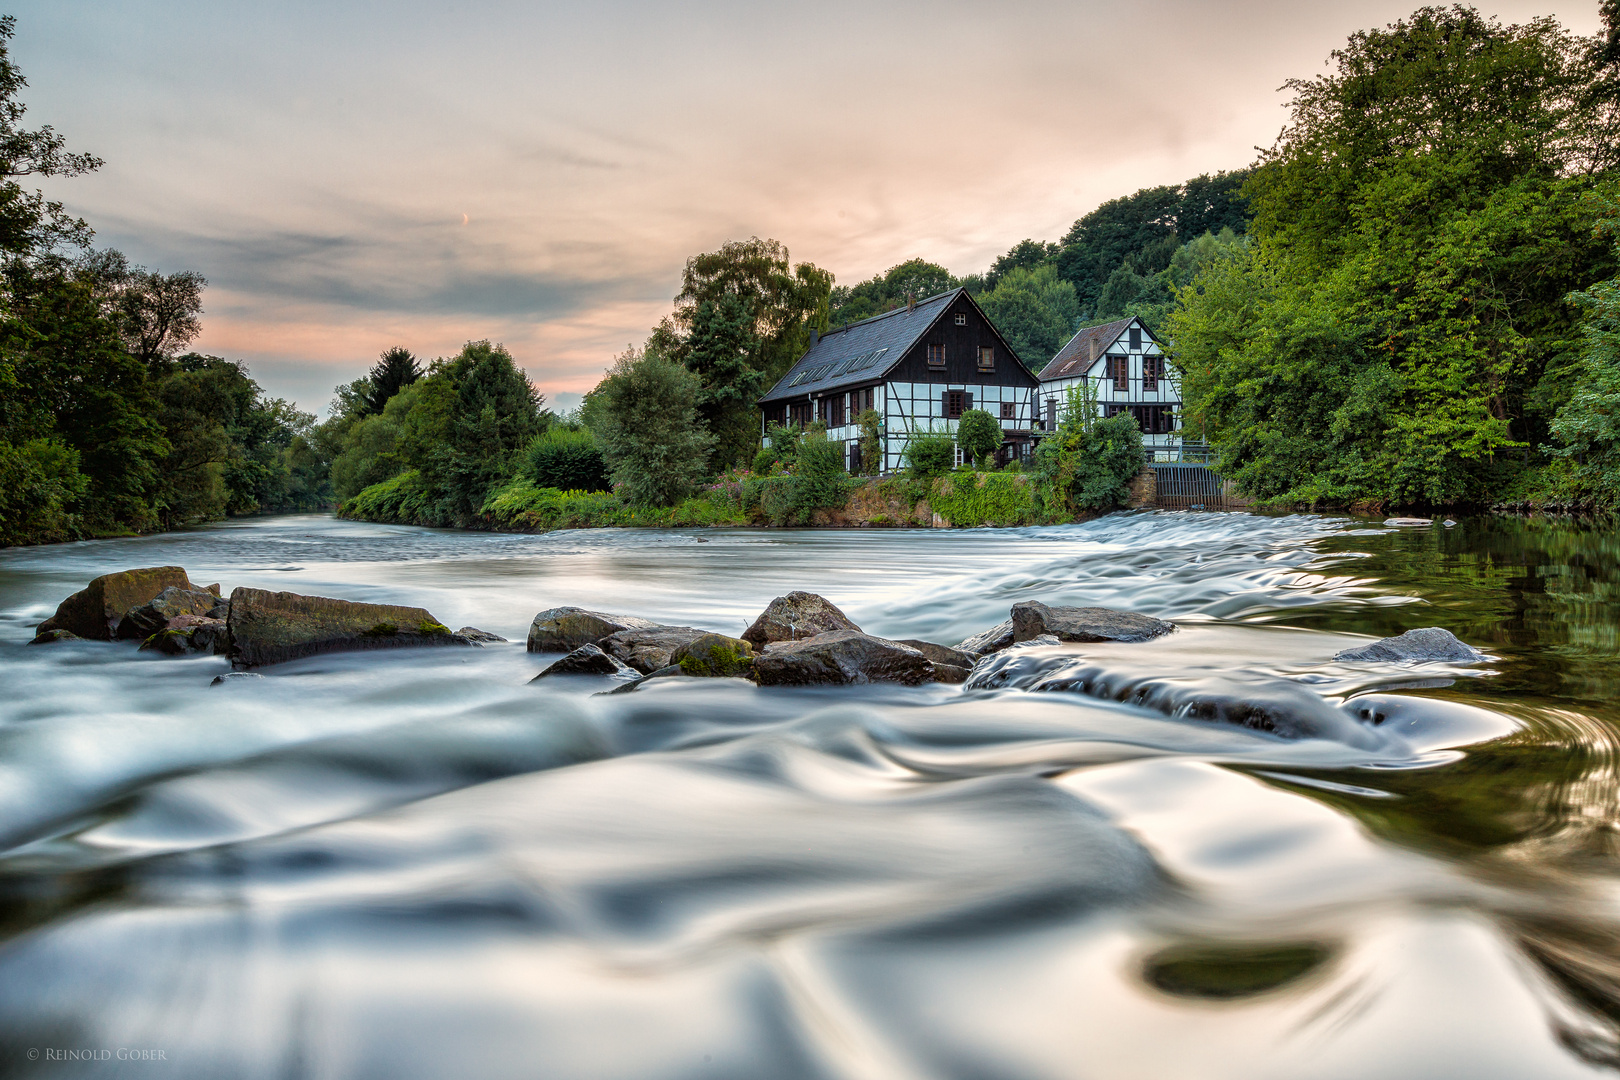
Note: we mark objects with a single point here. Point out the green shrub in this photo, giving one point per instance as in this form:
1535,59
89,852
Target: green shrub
997,498
821,483
930,454
40,482
871,425
566,460
1088,463
645,417
980,436
765,460
403,500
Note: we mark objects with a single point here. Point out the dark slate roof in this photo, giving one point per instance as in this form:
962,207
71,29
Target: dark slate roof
1075,357
860,352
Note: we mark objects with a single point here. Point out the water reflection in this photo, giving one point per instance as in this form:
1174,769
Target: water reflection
421,866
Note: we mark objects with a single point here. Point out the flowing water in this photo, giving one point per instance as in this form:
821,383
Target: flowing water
416,864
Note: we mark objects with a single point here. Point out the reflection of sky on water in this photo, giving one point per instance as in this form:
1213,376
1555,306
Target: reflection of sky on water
416,864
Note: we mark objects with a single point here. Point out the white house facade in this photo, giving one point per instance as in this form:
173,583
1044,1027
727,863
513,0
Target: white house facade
920,367
1128,371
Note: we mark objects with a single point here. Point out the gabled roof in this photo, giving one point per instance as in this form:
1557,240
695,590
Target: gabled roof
866,351
1076,356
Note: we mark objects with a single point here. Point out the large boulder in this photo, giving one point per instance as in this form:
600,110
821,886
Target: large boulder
950,665
794,617
1031,619
993,640
649,649
98,610
841,658
714,656
586,660
156,614
272,627
1427,645
187,634
564,629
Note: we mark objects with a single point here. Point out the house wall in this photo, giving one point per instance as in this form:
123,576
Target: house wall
1167,393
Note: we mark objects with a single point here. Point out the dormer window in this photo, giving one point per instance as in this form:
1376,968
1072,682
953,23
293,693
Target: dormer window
936,354
987,358
961,318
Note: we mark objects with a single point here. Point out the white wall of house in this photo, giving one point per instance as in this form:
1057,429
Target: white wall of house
910,408
1135,389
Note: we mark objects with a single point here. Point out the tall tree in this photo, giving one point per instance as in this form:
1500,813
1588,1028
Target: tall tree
644,415
914,279
31,226
720,351
395,369
1401,319
1035,310
1024,255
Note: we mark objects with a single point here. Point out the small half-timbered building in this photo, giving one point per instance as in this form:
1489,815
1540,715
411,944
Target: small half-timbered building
1127,368
921,367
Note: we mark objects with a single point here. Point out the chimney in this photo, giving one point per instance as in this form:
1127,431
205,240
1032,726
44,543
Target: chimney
911,301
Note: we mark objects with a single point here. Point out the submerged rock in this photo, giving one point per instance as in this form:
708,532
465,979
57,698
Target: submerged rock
48,636
98,610
950,665
187,634
993,640
234,676
586,660
272,627
1417,646
1031,618
714,656
794,617
472,633
841,658
564,629
662,673
1407,523
159,613
649,649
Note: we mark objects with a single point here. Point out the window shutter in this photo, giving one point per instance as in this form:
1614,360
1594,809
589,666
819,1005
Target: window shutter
945,404
967,402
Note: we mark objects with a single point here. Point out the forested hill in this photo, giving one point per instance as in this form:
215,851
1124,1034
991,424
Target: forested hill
1127,257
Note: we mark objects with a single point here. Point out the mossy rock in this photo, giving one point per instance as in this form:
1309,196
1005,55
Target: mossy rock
273,627
98,610
715,656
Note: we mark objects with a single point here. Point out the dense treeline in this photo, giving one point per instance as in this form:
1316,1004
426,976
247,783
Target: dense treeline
1419,316
1130,256
107,425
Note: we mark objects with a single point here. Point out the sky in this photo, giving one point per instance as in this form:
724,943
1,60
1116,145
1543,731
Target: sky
353,175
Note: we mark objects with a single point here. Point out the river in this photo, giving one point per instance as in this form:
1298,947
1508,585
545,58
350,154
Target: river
416,864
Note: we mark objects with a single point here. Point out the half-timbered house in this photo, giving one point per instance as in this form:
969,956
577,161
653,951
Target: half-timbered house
920,367
1127,369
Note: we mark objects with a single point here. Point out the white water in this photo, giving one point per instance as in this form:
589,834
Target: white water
416,864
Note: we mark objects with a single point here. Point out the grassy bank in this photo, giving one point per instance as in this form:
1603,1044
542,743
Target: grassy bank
963,498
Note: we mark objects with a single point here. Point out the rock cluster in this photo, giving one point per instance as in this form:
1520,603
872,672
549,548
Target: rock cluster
160,607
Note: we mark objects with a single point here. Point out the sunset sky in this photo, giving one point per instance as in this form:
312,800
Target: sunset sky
350,176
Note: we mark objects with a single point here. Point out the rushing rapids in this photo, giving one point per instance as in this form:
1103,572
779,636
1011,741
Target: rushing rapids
1219,852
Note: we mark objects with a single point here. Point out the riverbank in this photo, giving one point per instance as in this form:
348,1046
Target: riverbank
961,499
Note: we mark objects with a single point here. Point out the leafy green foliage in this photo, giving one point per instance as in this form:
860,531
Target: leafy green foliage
819,479
1589,425
568,460
722,349
929,454
915,278
40,483
1397,332
646,424
997,498
871,425
979,435
1035,310
1088,463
